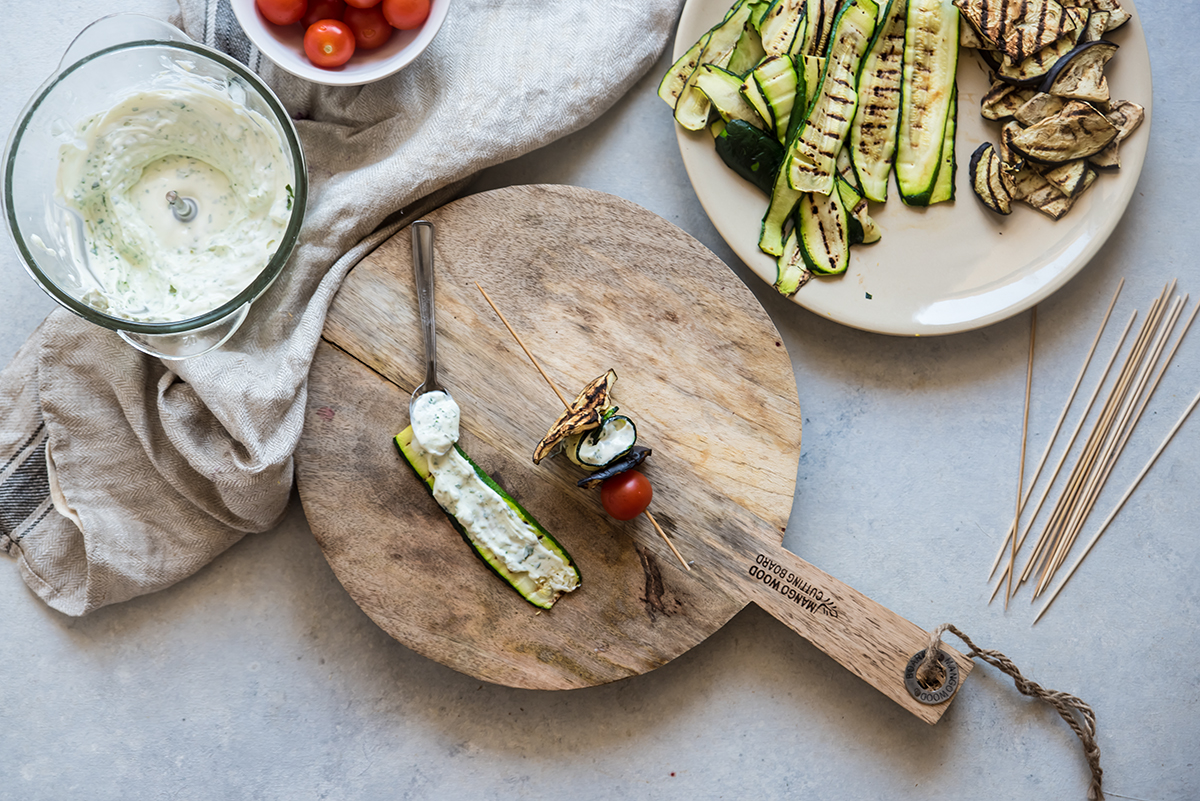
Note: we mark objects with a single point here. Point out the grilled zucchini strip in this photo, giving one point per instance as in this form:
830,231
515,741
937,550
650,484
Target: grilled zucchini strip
930,64
873,134
812,154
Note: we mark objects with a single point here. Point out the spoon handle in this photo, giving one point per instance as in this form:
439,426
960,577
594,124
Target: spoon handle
422,247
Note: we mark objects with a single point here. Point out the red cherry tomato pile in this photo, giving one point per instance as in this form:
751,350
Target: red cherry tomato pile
335,29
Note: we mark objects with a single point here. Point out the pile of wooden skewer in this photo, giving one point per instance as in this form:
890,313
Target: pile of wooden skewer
1128,395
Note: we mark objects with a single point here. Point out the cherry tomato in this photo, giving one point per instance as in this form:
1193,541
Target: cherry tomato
282,12
406,14
369,26
323,9
329,43
364,3
626,495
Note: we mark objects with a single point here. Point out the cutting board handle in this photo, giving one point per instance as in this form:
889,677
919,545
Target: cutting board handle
866,637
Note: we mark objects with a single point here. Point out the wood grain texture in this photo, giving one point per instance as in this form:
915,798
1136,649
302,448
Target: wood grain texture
591,282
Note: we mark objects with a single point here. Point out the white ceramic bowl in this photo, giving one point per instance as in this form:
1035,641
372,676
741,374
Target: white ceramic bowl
284,45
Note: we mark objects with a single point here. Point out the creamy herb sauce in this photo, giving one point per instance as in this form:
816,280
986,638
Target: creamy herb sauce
595,448
479,509
196,137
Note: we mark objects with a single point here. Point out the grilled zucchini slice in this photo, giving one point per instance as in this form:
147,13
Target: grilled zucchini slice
930,64
532,585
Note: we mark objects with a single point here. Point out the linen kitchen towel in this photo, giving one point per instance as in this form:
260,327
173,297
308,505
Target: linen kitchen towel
121,474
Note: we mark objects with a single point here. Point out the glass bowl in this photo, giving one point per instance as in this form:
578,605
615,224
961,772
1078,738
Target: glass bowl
109,59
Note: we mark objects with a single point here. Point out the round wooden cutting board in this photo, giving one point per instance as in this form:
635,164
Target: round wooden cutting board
590,281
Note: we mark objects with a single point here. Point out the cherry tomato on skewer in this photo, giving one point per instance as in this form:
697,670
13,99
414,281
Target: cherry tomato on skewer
626,495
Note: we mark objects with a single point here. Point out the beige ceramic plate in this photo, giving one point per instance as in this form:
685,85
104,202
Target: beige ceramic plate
952,267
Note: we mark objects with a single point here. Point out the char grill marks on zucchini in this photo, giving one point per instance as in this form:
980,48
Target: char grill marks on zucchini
873,133
691,106
828,86
812,154
930,67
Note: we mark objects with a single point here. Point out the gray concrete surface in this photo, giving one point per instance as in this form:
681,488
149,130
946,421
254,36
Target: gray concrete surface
259,678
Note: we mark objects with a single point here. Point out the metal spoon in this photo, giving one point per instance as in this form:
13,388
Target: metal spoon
422,249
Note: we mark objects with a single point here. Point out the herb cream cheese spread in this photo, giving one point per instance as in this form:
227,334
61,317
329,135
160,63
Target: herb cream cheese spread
479,509
195,137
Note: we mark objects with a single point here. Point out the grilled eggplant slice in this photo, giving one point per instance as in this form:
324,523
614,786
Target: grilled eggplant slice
1117,16
969,37
1038,108
636,455
1018,28
1003,99
927,91
1094,29
1032,71
1069,178
873,134
989,180
1053,203
1027,181
1076,132
1127,116
1009,158
585,413
813,152
1079,75
750,152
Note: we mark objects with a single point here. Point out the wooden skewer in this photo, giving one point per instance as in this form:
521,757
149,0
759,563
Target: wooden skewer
1067,450
1057,429
1012,557
1120,504
522,344
666,539
567,404
1115,409
1132,419
1050,535
1112,449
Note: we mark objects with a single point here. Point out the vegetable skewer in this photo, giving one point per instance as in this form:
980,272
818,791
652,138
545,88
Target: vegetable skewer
567,405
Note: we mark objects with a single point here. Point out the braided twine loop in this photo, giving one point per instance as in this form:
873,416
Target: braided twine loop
1078,715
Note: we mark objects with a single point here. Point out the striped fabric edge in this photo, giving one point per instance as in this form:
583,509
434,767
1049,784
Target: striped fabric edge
24,490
